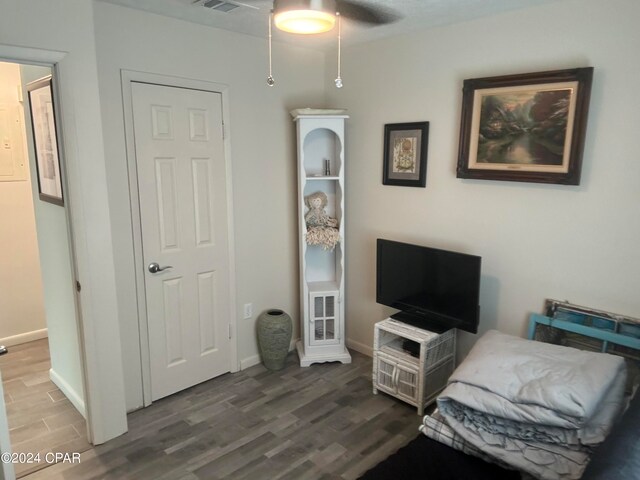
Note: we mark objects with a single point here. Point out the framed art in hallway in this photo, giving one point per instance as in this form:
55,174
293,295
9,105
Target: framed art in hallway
405,154
526,127
45,140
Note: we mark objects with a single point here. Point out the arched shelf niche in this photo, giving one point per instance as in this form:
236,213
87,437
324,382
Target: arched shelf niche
319,145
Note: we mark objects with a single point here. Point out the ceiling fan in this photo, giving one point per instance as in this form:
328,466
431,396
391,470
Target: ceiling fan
317,16
308,17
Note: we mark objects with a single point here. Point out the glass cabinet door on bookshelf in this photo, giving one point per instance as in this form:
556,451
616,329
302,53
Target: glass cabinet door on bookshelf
324,318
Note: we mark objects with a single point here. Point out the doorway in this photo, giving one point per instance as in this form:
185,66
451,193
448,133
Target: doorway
180,183
42,374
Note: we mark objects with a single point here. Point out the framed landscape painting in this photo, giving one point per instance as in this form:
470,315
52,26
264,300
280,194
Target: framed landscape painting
405,154
525,128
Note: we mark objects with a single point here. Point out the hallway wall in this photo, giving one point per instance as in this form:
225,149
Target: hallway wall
22,317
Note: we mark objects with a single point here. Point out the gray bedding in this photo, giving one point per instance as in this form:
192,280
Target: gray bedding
538,407
434,427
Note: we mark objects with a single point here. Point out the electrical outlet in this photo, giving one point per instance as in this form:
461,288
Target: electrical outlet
248,310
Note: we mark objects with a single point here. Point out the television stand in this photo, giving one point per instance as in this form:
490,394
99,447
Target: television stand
415,380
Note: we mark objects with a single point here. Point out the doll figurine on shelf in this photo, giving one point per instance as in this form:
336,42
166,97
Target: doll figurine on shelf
321,228
317,216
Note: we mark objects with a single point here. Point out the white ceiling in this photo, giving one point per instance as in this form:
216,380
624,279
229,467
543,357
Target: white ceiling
415,14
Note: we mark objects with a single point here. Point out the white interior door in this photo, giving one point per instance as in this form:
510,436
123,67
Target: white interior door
182,182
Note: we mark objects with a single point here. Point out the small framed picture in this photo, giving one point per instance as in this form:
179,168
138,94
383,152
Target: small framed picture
405,154
526,127
45,140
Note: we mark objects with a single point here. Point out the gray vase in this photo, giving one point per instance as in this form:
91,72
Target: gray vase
274,336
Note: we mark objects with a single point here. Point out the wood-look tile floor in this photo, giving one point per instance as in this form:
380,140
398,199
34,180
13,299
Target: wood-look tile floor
320,422
40,417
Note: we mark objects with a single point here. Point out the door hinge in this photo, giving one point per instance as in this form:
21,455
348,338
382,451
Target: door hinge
229,331
224,131
78,286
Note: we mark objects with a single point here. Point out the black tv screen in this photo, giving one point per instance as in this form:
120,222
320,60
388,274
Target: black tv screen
433,289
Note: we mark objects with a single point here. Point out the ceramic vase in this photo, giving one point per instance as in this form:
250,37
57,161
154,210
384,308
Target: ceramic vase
274,337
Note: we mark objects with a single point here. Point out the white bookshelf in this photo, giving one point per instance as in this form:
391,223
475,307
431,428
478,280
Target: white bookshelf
320,136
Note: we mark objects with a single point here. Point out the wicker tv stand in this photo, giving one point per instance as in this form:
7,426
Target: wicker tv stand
413,378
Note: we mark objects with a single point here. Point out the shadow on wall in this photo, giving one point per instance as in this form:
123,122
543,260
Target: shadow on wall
489,293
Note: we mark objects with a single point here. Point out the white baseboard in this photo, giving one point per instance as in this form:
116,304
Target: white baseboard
255,359
249,362
360,347
69,392
24,338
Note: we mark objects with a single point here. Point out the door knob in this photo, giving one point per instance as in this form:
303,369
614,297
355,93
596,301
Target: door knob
155,268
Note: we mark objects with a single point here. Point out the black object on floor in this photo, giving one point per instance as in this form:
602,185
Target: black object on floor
426,459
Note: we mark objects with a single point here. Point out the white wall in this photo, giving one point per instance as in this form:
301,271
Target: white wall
262,151
21,301
57,276
62,32
537,241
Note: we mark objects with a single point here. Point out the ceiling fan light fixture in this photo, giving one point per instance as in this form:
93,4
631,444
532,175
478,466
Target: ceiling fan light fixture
304,16
305,22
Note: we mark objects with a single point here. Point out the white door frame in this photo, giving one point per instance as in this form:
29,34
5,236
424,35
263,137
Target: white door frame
7,471
26,56
127,78
102,374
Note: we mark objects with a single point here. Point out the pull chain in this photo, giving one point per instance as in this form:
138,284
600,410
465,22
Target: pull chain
338,78
270,81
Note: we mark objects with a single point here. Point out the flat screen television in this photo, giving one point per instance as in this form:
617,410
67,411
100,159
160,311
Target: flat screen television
433,289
